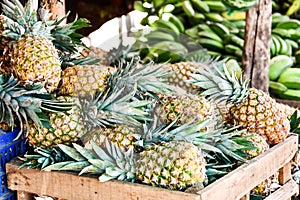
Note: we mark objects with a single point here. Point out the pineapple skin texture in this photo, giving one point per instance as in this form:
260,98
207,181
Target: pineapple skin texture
187,107
121,135
259,114
175,165
35,59
259,142
84,81
67,127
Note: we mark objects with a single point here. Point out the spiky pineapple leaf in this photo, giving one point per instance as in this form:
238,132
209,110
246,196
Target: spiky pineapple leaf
71,152
58,166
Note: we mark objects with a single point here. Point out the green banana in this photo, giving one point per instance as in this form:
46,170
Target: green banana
289,24
211,44
200,6
210,35
220,29
290,78
283,45
276,87
272,48
236,15
160,23
192,32
158,35
214,53
217,6
188,8
232,49
284,33
276,43
290,94
293,44
177,22
239,4
241,24
214,17
237,40
204,27
233,66
278,18
295,34
278,65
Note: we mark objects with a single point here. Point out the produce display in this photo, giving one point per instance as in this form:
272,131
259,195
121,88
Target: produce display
219,28
134,118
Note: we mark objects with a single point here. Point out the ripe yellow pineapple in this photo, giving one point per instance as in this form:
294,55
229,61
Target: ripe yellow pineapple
33,57
251,108
67,127
84,80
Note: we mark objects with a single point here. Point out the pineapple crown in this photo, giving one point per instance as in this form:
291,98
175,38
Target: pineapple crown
109,161
26,103
219,84
224,141
20,20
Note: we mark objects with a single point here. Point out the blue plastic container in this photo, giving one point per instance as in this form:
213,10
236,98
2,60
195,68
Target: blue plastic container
9,148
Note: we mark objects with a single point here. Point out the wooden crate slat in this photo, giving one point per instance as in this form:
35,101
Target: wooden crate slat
251,173
285,192
234,185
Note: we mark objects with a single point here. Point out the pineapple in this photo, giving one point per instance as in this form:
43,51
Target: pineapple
173,165
21,104
185,107
84,80
267,186
66,128
259,143
122,135
250,108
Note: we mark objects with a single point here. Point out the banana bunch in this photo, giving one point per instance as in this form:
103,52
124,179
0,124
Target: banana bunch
284,79
288,7
240,4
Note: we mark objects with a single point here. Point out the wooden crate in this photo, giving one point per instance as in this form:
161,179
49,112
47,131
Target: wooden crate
235,185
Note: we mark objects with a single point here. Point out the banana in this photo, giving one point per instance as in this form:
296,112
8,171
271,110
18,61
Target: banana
276,44
289,24
293,44
204,27
272,49
158,35
290,78
295,34
177,22
210,44
217,6
220,29
200,6
278,65
237,40
236,15
210,35
284,33
188,8
293,8
214,17
234,67
241,24
170,46
239,5
283,46
214,53
290,94
232,49
278,18
165,25
276,87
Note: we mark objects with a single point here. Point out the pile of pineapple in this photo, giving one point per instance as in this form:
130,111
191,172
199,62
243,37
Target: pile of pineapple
172,126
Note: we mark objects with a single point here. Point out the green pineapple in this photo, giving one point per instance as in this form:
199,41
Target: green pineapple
248,107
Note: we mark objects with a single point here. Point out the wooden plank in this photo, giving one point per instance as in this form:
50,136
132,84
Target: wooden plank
285,192
236,185
256,52
285,173
70,186
21,195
